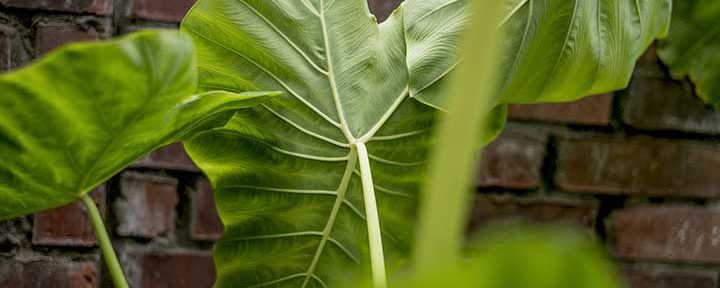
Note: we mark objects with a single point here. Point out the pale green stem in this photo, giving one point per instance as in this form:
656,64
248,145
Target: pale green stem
444,205
377,257
111,260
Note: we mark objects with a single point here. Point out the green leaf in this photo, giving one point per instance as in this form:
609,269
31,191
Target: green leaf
80,115
521,257
291,178
562,50
287,175
691,48
553,50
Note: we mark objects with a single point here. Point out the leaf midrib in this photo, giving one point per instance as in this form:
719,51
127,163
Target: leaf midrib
331,76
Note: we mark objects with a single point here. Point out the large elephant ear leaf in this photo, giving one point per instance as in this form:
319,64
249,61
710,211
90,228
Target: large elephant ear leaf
691,48
288,174
562,50
552,50
78,116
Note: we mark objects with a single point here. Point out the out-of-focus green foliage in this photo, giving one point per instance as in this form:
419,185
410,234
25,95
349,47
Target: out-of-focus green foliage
83,113
522,257
693,46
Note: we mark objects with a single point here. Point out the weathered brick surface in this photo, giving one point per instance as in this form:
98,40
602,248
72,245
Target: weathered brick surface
205,222
655,277
160,10
13,49
639,167
14,232
513,160
489,208
662,104
146,207
177,269
383,8
171,157
57,273
99,7
5,47
593,110
49,36
671,233
68,225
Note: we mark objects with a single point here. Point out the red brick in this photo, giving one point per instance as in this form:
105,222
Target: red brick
593,110
146,207
49,36
663,104
651,277
181,269
513,160
171,157
58,273
206,224
160,10
68,225
670,233
638,167
383,8
488,208
98,7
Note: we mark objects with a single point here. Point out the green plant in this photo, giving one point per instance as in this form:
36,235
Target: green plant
691,47
57,140
317,187
344,92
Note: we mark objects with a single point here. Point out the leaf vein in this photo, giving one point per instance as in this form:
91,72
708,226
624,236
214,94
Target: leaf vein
266,71
285,37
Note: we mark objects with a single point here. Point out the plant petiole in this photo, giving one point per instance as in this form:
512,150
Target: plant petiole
111,259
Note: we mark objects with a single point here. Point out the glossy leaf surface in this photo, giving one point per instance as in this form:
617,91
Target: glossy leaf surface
691,48
286,174
78,116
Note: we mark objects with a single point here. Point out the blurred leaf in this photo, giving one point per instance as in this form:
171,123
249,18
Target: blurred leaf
80,115
534,257
691,48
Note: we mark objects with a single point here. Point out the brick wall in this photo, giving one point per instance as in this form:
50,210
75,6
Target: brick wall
634,168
